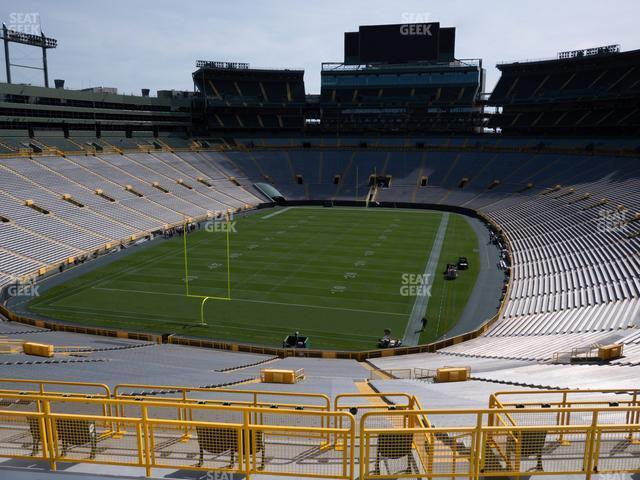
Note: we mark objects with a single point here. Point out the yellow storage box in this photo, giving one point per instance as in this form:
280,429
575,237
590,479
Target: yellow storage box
452,374
271,375
610,352
38,349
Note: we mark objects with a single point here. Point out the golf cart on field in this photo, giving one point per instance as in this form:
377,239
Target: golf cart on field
451,272
388,342
296,341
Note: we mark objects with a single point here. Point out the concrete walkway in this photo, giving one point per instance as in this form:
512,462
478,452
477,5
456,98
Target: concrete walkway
484,300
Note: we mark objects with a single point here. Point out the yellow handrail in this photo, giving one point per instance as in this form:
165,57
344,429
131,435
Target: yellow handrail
466,443
324,400
160,440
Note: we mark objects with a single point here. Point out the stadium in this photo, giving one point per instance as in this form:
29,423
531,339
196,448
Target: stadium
410,274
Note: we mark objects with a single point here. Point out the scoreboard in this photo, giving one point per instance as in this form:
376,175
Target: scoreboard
399,43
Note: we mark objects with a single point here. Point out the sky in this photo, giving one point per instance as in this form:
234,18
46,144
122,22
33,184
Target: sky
134,44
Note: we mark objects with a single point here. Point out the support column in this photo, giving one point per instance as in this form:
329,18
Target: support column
44,61
5,37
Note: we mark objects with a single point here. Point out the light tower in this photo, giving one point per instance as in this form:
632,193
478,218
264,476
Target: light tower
27,39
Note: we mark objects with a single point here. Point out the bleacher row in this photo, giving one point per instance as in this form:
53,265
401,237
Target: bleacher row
534,347
55,207
49,140
629,143
572,255
12,142
442,171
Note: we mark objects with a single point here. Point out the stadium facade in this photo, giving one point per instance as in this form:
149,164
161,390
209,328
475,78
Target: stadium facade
427,90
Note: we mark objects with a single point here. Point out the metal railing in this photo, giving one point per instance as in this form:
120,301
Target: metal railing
186,396
409,373
595,398
367,435
224,396
54,387
396,444
234,439
376,401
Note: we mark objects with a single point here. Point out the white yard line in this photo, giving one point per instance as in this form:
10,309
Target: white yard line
173,319
277,212
412,331
254,301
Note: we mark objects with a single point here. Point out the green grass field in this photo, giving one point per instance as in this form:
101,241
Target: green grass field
333,274
449,298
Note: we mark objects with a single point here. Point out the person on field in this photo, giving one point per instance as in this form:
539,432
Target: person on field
424,324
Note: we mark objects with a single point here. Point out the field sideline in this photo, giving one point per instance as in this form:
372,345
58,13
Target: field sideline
334,274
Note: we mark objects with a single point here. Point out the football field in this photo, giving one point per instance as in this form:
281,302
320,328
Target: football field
334,274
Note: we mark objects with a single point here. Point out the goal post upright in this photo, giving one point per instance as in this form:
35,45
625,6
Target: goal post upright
228,258
202,322
205,298
186,263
